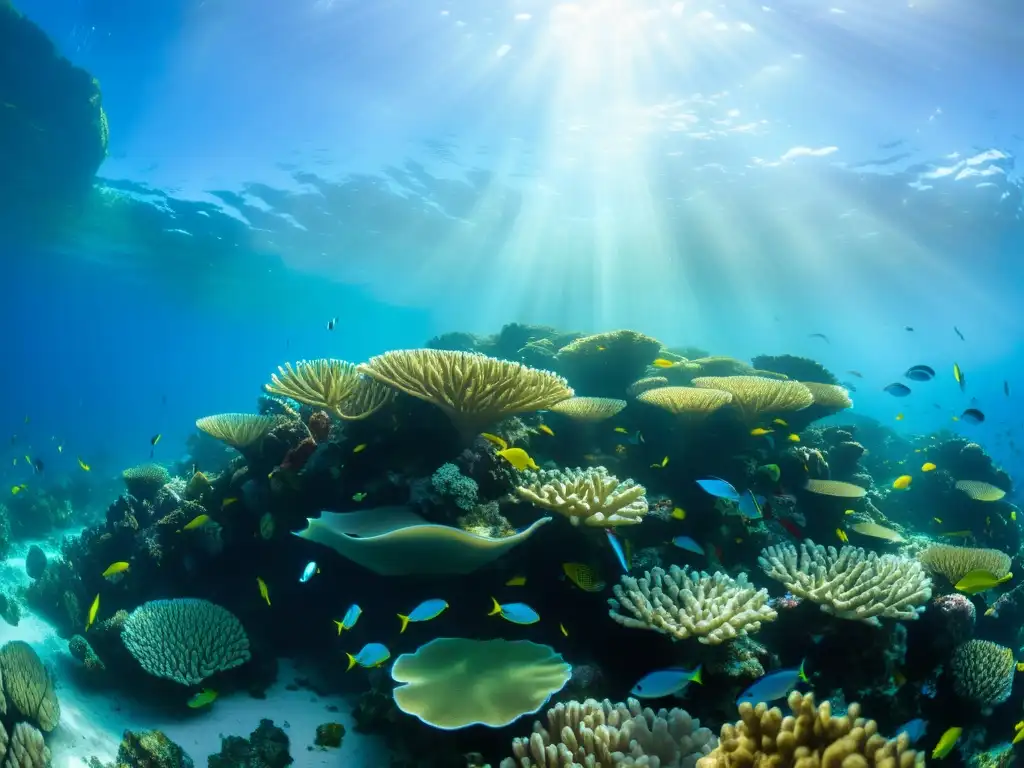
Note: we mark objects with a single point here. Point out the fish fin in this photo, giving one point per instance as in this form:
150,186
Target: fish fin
340,626
351,661
801,674
405,623
1005,578
497,607
697,675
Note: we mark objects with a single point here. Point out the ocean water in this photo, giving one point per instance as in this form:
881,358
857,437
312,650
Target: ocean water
337,178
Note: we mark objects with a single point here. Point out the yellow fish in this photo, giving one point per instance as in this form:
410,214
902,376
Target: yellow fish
359,448
878,532
1013,514
197,522
500,442
119,567
583,576
917,450
955,418
662,465
902,482
848,512
93,610
760,432
661,362
1020,666
518,458
679,513
565,632
16,489
780,422
622,430
204,698
28,459
937,520
899,417
600,348
842,535
1020,734
228,501
264,592
991,612
516,581
359,496
794,438
980,580
946,743
83,465
927,467
546,430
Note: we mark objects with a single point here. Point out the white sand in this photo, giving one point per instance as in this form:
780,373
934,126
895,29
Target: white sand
92,721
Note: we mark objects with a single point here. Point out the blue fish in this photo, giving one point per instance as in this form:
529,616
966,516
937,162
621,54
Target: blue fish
915,729
308,571
716,486
749,506
773,687
425,611
617,548
371,655
350,618
665,682
517,613
685,542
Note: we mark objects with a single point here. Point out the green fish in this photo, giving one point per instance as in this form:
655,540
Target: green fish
358,496
204,698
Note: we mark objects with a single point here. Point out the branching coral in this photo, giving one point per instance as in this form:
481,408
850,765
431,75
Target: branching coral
809,738
713,608
755,396
185,640
686,401
239,430
28,685
956,562
983,672
850,583
449,481
598,734
589,408
590,496
474,390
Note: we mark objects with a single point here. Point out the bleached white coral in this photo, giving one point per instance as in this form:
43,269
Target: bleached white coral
592,496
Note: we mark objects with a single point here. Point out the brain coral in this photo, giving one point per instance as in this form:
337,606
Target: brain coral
185,640
28,685
983,672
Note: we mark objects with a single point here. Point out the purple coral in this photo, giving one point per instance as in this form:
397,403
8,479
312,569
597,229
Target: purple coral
957,614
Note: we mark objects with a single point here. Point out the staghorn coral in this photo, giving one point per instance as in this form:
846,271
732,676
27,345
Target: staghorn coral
713,608
473,390
646,383
956,562
239,430
809,738
589,496
690,402
755,396
185,640
983,672
797,368
450,483
28,685
600,734
588,408
143,482
851,583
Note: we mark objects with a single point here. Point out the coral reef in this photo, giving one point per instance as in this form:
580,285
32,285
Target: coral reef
590,496
267,747
147,749
983,672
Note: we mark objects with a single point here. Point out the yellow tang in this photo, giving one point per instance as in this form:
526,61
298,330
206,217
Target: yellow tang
980,580
780,422
662,464
661,362
583,576
927,467
760,431
83,465
93,610
518,458
622,430
899,417
1020,735
197,522
516,581
500,442
16,489
359,448
946,743
902,482
1020,666
842,535
794,438
264,592
564,630
119,567
546,430
679,513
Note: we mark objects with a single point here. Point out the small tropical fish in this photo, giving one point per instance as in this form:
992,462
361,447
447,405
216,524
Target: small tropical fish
1020,666
16,489
1020,733
661,362
720,488
118,567
359,496
780,422
600,348
749,506
958,534
902,482
842,535
662,464
928,467
617,549
688,544
83,465
920,373
937,520
60,448
957,330
517,613
678,513
309,572
622,430
359,448
565,632
518,458
425,611
197,522
774,686
636,439
1013,514
849,512
665,682
773,472
1006,388
38,466
794,438
371,655
959,376
897,389
760,432
899,416
349,619
908,328
858,374
821,336
546,430
516,581
155,439
946,743
980,580
204,698
331,323
93,610
264,592
915,729
494,439
583,576
972,416
878,532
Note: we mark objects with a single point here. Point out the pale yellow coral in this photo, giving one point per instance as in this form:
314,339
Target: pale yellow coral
686,401
980,491
835,488
829,396
754,396
325,383
956,562
714,608
238,430
589,496
589,408
646,383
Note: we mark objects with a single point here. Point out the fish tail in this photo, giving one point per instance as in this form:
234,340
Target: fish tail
340,626
405,623
497,608
267,598
696,678
351,661
801,674
1006,578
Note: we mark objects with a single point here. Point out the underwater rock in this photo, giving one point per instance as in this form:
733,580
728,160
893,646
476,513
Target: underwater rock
150,749
329,735
266,747
35,562
28,685
10,608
